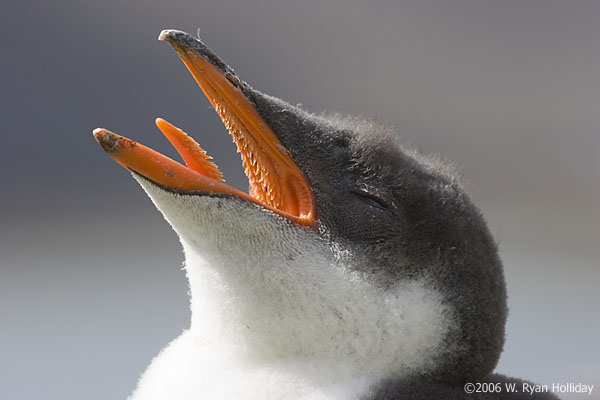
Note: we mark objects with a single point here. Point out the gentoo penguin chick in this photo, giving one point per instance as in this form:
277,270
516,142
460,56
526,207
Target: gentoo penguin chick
353,269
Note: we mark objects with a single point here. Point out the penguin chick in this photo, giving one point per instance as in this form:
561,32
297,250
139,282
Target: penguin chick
354,268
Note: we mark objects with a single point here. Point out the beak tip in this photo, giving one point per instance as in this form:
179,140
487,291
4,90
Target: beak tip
108,140
98,133
167,35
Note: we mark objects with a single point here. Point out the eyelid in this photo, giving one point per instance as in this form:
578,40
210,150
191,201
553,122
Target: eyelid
371,198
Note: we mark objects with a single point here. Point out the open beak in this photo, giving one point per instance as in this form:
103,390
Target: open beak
276,182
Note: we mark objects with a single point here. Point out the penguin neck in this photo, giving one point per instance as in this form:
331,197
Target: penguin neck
267,292
265,307
307,310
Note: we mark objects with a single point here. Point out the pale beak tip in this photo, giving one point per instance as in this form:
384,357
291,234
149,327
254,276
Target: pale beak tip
168,34
108,140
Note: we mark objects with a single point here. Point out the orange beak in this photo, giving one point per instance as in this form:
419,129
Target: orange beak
276,182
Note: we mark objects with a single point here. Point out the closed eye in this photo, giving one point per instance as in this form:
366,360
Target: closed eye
371,200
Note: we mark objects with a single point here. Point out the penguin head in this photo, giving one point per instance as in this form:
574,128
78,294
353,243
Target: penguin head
349,247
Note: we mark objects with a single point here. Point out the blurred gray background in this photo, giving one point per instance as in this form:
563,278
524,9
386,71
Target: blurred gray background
90,281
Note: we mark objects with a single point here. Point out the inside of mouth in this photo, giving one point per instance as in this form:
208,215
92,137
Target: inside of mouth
270,184
275,181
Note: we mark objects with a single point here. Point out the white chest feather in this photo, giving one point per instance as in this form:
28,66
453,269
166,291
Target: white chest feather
192,368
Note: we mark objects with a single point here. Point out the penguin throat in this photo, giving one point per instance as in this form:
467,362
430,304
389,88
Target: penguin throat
265,292
309,310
